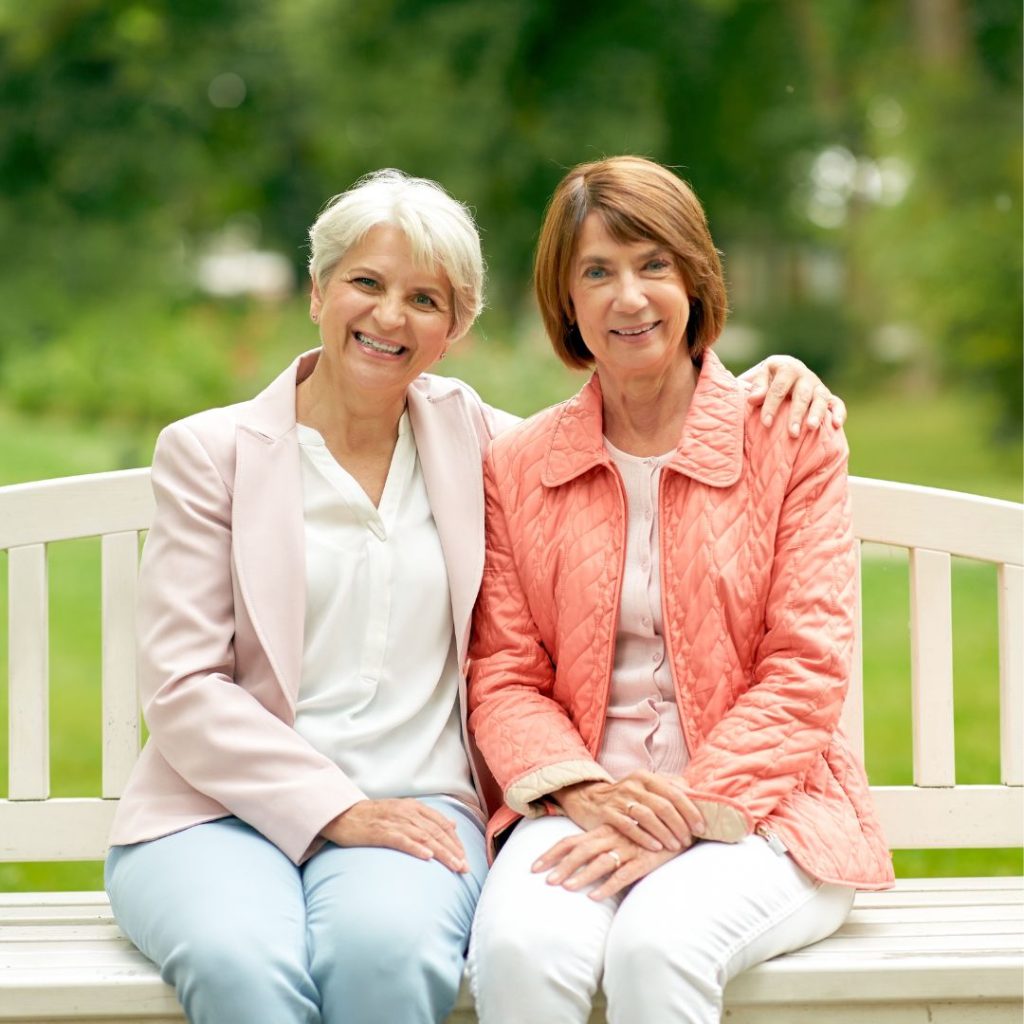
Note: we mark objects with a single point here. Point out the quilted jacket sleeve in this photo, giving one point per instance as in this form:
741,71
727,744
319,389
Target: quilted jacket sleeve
212,731
762,747
528,740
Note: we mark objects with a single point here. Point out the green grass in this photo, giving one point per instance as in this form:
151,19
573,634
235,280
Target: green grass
934,441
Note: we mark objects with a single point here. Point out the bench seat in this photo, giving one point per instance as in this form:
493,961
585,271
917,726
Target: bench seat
938,950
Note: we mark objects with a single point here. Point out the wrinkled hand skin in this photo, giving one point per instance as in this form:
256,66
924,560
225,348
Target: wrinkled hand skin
651,810
777,378
405,825
582,860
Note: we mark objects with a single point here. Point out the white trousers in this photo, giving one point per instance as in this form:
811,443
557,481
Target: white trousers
666,949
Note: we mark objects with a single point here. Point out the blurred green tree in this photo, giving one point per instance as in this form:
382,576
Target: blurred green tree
860,160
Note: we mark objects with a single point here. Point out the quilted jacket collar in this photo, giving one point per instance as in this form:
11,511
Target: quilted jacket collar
710,449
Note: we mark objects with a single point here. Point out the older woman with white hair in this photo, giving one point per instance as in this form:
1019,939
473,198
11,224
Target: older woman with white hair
302,837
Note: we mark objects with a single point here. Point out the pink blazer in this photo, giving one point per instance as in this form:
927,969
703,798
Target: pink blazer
222,604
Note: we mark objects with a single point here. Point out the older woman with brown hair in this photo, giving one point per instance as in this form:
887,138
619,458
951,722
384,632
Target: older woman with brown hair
661,645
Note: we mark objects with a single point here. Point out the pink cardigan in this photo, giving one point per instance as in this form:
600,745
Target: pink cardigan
222,602
758,593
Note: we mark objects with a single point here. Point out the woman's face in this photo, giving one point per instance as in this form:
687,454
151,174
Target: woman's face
630,302
383,319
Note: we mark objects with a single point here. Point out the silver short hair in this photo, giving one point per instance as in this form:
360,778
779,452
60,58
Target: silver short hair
440,230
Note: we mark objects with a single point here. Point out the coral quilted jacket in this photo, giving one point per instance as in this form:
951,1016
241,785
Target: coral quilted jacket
758,592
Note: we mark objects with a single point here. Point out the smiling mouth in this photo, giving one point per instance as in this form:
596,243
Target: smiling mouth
635,332
376,345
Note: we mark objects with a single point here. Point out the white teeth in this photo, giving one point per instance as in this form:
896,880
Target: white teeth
377,346
630,332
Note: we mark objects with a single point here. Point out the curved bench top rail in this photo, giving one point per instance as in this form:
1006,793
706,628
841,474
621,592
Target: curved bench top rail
906,515
75,506
912,516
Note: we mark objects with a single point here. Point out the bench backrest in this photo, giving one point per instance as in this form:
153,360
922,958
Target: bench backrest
932,525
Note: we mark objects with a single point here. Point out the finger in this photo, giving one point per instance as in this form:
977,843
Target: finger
405,843
583,853
443,854
556,853
757,378
673,791
435,816
631,828
819,407
656,816
838,407
630,872
782,382
599,866
799,400
446,846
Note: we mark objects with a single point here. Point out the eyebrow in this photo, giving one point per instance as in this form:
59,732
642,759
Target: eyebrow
656,250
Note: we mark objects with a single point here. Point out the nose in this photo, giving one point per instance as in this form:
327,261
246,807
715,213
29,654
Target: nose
629,295
390,312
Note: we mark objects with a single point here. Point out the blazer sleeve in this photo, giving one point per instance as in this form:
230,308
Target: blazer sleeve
761,748
526,736
212,731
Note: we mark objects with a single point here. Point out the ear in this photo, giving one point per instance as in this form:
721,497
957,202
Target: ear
316,301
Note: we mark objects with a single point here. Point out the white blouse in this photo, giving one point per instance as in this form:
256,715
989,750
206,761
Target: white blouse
643,728
380,677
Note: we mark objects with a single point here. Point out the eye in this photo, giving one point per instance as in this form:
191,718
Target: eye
658,263
365,282
594,273
424,300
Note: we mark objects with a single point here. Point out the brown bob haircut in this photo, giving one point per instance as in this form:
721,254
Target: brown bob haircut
638,200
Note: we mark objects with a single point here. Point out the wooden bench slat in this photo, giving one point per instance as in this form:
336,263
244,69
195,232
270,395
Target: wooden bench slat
121,717
64,898
931,667
75,506
918,817
937,899
70,933
931,942
1010,583
29,673
65,828
852,720
929,517
925,914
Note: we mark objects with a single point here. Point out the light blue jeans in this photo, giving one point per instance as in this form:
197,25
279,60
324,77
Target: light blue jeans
355,936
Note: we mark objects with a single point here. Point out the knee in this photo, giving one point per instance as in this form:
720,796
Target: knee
641,963
401,951
524,951
227,967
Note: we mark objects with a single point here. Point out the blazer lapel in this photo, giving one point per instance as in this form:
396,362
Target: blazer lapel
450,454
267,525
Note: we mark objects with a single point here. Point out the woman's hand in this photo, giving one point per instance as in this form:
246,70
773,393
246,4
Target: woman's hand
405,825
650,810
778,376
600,853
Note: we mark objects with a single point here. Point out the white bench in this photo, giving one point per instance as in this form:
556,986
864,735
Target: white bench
941,950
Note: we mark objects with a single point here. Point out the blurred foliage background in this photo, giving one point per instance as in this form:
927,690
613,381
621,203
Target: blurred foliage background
860,161
160,161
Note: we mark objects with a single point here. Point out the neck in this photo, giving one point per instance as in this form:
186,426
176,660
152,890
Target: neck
348,419
644,414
